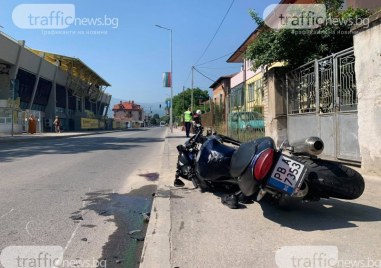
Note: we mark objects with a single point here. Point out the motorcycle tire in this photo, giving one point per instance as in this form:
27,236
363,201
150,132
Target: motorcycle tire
328,179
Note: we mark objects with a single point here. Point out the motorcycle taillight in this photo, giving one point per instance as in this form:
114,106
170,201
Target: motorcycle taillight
263,164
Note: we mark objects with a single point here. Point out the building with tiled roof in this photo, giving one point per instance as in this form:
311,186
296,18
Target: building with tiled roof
129,113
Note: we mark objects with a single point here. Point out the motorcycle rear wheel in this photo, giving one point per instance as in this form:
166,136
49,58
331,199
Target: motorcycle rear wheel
328,179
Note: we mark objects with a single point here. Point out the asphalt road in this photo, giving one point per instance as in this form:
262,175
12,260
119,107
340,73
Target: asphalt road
84,194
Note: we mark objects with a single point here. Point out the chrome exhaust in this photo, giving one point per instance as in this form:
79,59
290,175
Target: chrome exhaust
309,146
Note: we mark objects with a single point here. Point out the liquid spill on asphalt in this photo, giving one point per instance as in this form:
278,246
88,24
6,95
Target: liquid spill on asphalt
125,245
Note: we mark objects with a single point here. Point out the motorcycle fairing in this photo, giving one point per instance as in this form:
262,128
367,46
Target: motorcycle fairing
184,162
213,160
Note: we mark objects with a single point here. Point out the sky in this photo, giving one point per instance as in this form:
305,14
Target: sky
131,53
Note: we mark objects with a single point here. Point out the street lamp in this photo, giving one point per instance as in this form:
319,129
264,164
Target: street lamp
170,108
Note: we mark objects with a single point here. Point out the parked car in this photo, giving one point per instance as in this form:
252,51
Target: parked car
162,124
247,120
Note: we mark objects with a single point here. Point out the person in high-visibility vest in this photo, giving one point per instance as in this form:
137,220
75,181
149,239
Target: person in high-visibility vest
187,121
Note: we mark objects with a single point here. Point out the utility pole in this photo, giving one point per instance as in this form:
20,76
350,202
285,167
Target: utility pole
13,105
183,99
171,80
192,90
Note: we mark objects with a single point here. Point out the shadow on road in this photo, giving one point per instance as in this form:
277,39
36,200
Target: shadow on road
12,151
323,215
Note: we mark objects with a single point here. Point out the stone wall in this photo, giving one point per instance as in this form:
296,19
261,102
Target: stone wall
275,109
367,49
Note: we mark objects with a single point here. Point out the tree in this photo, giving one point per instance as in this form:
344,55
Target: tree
182,101
297,47
155,120
156,116
165,118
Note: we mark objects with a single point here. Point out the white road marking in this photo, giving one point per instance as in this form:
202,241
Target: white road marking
32,236
76,228
9,212
26,229
71,238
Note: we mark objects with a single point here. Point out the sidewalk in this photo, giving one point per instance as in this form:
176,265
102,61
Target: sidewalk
193,229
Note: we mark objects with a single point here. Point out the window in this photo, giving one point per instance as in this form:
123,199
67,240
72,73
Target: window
251,91
255,92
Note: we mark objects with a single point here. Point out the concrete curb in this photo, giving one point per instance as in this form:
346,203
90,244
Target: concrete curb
157,244
156,249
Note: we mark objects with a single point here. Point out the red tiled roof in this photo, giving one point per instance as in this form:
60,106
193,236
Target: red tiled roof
127,106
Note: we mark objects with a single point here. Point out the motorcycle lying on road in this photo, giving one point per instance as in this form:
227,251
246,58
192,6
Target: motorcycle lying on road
253,169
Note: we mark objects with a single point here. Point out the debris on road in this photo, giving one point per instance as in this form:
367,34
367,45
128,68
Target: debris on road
146,216
134,231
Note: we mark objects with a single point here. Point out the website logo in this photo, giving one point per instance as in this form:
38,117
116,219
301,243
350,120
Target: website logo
306,16
31,256
43,16
306,256
60,19
295,16
44,257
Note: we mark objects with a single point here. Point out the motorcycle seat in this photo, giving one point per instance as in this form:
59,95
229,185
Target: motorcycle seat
244,154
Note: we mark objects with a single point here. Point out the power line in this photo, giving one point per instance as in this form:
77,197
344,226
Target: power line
215,59
189,74
216,68
223,19
204,75
208,74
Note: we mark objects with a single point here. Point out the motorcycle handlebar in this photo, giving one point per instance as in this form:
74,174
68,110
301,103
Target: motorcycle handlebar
190,143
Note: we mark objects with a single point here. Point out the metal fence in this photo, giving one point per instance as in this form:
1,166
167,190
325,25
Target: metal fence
322,101
215,119
245,115
7,126
20,120
241,115
324,86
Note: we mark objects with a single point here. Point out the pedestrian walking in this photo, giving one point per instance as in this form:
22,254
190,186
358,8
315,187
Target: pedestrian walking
57,125
187,121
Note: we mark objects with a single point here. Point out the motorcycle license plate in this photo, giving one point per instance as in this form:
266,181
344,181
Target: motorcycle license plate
287,175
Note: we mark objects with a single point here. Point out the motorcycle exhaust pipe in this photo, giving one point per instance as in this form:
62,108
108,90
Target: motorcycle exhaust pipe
310,146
